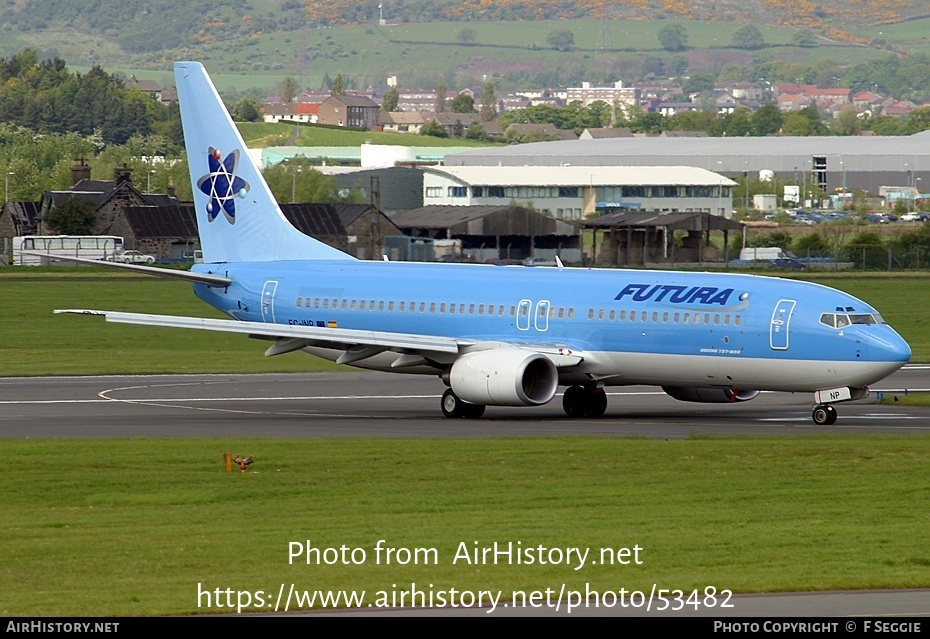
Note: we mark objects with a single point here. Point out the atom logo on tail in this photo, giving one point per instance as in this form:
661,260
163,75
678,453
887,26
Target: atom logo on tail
222,185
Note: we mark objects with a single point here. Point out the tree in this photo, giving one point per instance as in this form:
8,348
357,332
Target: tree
476,132
434,129
676,65
288,89
247,109
748,36
846,122
561,39
440,104
488,108
673,37
467,36
391,99
767,120
339,85
803,39
71,218
463,103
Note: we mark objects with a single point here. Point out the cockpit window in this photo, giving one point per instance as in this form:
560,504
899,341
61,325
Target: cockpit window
842,320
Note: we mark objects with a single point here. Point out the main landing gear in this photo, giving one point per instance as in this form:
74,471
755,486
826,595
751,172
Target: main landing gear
452,406
581,401
824,414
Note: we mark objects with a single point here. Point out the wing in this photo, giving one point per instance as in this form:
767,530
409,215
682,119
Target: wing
413,349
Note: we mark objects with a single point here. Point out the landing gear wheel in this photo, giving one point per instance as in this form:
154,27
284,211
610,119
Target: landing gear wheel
573,401
579,401
597,403
451,405
824,415
472,411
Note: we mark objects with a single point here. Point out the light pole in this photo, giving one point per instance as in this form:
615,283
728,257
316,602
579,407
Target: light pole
149,188
746,174
294,186
6,187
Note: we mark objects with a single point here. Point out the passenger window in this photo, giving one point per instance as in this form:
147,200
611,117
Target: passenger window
442,308
422,307
354,304
571,313
298,302
390,307
402,306
432,307
622,316
561,312
612,316
655,316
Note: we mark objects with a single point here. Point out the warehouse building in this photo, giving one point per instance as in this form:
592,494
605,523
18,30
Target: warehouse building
830,163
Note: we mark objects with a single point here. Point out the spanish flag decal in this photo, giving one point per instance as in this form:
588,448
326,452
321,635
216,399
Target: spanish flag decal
332,324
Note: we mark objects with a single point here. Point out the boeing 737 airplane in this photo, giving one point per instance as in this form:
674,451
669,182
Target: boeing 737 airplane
506,335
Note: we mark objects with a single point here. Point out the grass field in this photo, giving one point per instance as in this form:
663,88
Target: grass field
135,527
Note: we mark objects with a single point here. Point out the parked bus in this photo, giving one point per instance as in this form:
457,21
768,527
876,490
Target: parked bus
92,247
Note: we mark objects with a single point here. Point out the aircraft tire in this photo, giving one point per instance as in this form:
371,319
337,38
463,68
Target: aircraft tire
596,404
574,401
472,411
451,405
824,415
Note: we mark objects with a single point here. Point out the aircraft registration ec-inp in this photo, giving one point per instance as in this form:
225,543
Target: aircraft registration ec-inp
506,335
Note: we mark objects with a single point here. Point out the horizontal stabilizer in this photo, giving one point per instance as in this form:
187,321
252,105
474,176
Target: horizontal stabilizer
170,273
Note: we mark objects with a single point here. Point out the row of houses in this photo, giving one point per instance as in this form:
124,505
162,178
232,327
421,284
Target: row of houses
419,107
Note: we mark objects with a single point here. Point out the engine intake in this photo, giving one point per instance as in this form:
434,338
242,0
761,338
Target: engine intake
504,377
710,395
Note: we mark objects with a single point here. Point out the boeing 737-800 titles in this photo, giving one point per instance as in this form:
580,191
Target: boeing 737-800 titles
506,335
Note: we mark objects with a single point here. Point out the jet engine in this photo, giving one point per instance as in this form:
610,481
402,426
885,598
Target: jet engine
504,377
710,395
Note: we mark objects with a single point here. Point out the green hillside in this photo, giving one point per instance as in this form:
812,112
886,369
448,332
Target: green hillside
254,45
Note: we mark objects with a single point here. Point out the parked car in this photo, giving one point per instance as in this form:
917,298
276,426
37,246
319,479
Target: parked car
915,216
539,261
134,257
787,263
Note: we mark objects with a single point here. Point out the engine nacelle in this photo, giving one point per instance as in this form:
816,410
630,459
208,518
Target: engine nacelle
710,395
504,377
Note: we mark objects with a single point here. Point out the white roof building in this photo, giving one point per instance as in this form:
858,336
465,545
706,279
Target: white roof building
574,192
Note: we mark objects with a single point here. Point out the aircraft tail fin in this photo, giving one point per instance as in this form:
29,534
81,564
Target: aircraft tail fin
237,216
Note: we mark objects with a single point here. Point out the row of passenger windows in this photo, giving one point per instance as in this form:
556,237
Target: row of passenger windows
407,307
500,310
716,319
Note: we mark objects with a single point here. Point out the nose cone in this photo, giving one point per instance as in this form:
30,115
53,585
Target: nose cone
887,351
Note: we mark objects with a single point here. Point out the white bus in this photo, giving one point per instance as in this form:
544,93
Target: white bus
92,247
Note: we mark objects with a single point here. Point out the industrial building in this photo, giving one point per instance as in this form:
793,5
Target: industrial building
866,163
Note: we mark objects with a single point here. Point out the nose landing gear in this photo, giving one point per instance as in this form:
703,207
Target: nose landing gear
824,415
